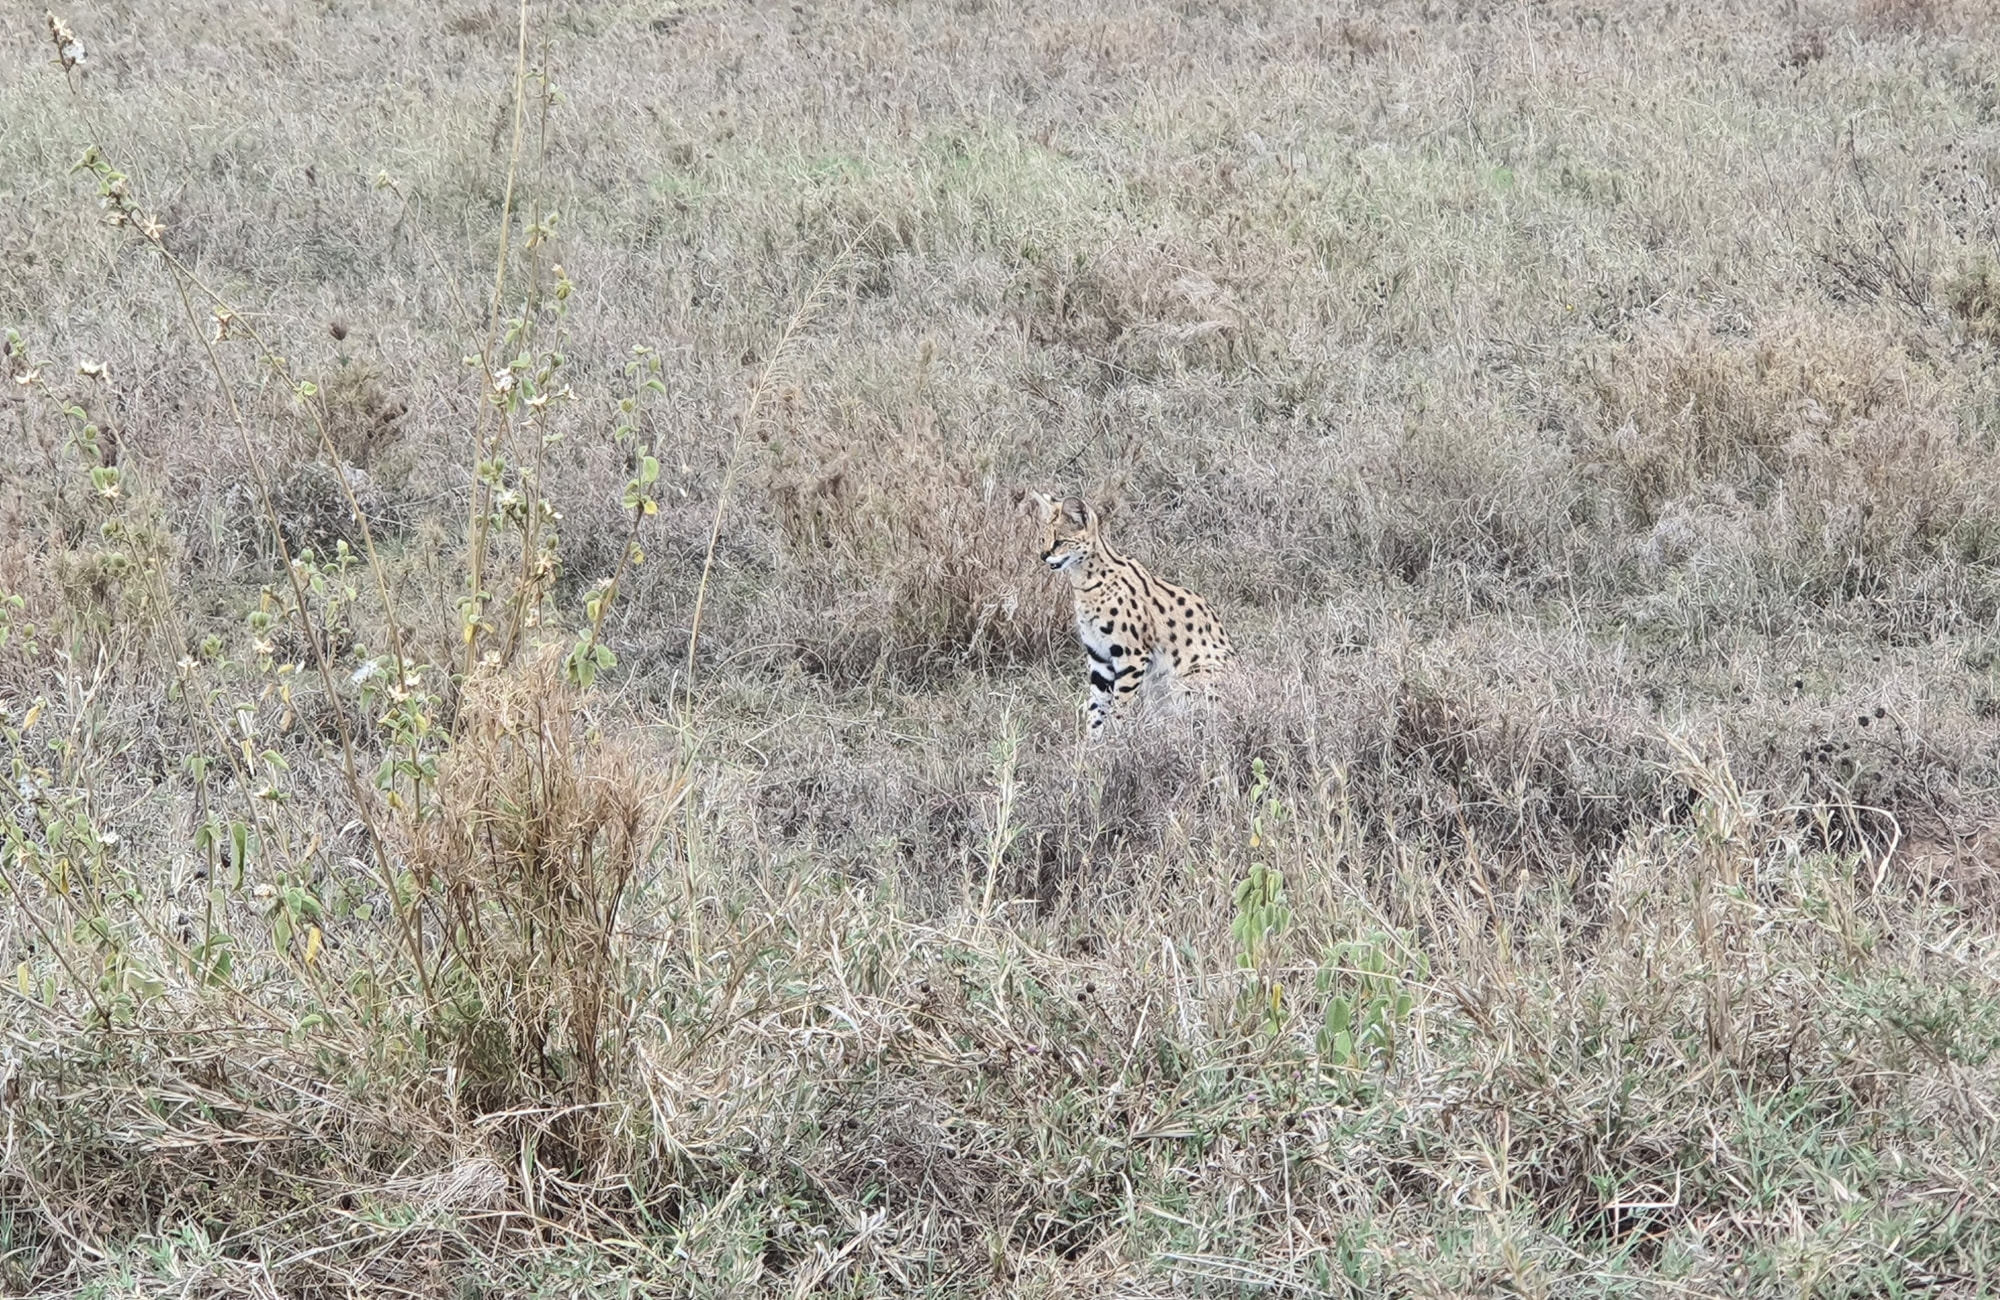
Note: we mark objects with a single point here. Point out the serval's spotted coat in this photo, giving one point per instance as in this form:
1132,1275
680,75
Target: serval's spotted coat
1128,620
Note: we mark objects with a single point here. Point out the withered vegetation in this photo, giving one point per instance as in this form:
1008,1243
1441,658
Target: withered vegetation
542,760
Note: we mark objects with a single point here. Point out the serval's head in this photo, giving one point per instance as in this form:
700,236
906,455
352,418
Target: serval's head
1069,531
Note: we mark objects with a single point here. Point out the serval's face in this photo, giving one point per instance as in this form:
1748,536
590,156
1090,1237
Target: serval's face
1069,532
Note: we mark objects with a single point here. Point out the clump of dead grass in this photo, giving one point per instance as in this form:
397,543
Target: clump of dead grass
1688,409
902,549
1829,465
1901,17
362,418
316,507
1136,312
539,829
1456,500
1974,298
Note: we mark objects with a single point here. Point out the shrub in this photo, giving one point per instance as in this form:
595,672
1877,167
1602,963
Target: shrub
1822,464
540,829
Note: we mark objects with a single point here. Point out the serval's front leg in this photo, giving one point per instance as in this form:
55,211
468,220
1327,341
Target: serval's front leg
1113,678
1128,676
1103,676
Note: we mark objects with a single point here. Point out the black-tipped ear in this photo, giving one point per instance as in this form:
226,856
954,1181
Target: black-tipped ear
1076,511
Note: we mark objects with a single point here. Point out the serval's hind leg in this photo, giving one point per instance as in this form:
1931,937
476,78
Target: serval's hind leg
1199,681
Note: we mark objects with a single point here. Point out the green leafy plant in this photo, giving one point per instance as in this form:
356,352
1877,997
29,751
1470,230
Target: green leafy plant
1370,992
1262,912
589,655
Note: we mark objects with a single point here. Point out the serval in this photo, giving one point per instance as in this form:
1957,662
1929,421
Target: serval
1129,621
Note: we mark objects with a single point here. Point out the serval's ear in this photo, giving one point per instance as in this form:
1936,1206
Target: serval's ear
1035,502
1077,511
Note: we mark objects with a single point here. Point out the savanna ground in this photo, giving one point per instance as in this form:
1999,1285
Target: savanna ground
1584,415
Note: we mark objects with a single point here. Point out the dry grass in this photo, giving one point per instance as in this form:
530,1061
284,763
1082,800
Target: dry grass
899,549
1583,416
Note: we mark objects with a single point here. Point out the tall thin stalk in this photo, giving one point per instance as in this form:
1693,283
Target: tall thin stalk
767,379
479,510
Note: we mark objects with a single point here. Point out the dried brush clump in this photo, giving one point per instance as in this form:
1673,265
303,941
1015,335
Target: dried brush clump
1688,410
900,548
1545,780
361,417
316,508
1821,465
1974,298
1901,17
1133,313
1453,495
540,828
